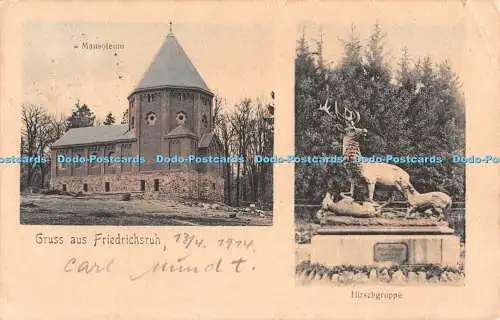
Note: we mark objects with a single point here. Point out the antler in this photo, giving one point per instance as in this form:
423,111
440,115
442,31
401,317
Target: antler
351,117
326,108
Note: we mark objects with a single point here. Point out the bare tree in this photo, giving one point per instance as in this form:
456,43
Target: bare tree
260,141
241,124
246,132
57,127
225,134
39,131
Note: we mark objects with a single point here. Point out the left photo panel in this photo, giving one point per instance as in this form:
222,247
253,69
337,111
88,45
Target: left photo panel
146,124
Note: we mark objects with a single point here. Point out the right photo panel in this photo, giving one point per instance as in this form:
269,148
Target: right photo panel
379,145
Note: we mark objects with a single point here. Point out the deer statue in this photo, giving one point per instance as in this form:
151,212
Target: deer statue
346,206
438,202
368,174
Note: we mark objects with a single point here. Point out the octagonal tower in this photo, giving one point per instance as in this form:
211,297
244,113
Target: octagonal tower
170,110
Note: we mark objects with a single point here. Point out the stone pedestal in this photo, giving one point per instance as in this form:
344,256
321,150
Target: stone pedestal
381,245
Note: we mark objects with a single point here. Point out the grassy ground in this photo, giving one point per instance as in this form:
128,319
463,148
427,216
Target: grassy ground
68,210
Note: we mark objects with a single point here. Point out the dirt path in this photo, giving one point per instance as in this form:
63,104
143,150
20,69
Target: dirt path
68,210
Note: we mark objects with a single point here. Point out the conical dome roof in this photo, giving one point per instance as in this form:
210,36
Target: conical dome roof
171,68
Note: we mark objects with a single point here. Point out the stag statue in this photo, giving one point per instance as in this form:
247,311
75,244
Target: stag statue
368,174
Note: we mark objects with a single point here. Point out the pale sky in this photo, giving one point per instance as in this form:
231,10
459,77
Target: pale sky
228,57
440,42
236,61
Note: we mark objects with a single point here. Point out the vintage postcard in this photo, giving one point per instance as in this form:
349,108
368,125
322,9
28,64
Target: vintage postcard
249,160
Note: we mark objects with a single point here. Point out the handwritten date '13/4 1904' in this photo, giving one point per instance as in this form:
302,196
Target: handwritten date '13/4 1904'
186,263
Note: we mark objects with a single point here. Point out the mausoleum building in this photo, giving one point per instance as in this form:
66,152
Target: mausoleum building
170,114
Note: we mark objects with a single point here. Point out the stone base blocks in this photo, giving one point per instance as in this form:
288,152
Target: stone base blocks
171,185
385,246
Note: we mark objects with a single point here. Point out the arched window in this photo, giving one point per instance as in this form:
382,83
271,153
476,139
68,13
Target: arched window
111,154
78,153
78,164
94,163
61,165
204,121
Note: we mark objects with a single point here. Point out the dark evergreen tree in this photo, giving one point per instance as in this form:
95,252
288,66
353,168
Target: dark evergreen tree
82,116
125,117
418,111
315,133
109,119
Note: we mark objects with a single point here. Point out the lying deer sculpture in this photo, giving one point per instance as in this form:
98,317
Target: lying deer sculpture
348,207
368,174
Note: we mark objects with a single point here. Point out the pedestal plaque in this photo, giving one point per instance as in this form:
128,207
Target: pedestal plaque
390,252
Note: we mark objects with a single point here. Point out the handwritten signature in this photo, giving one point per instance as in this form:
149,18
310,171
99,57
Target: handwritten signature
179,265
87,267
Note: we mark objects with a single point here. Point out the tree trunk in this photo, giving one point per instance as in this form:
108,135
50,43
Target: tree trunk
238,166
227,189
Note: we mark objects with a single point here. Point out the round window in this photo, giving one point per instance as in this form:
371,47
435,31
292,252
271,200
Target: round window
151,118
181,118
